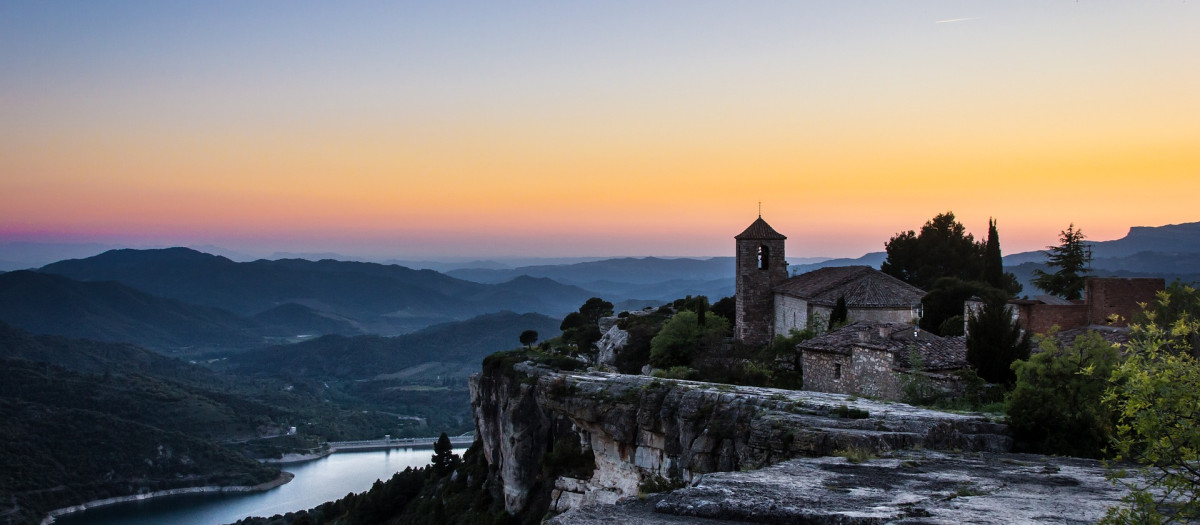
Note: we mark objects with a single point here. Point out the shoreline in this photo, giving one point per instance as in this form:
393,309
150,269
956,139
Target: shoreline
284,477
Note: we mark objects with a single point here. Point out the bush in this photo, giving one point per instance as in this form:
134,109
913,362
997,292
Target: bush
1056,406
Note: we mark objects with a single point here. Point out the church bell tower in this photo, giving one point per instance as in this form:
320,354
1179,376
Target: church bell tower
760,267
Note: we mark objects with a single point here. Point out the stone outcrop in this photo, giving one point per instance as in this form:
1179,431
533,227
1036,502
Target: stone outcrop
611,342
644,430
910,487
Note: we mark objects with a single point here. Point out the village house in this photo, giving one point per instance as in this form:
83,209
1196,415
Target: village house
871,358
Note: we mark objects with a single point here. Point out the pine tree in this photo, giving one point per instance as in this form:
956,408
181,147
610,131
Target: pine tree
994,341
1071,258
444,459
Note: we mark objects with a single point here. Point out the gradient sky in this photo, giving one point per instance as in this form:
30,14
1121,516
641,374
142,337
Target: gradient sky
592,128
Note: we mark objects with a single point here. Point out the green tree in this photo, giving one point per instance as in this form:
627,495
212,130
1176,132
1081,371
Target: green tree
444,459
994,341
942,249
682,337
1177,302
839,314
1155,393
993,264
1071,259
582,328
1056,406
726,307
946,298
528,337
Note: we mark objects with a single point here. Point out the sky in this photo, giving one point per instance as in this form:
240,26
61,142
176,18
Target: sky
564,128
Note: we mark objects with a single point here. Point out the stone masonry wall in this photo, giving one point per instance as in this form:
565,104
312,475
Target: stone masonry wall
1039,318
790,314
1120,297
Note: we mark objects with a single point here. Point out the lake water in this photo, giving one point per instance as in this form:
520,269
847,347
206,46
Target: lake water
316,482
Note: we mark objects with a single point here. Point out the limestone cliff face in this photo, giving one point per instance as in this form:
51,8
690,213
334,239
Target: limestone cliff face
641,429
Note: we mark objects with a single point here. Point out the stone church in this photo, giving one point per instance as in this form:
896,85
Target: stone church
770,303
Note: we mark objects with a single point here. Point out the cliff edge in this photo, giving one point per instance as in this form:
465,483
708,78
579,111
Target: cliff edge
647,434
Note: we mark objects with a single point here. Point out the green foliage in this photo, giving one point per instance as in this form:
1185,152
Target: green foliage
946,299
1156,392
942,249
726,307
528,337
849,412
839,314
994,341
659,484
1178,302
682,337
951,327
855,454
642,329
581,328
993,264
444,459
916,388
675,372
1072,258
1055,407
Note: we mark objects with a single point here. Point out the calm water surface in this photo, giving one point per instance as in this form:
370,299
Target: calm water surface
316,482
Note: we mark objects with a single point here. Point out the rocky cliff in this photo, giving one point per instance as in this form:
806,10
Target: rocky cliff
646,431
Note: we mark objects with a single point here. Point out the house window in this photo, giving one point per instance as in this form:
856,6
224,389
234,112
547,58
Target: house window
764,255
837,370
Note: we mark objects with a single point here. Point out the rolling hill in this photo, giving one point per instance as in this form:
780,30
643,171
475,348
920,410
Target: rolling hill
375,298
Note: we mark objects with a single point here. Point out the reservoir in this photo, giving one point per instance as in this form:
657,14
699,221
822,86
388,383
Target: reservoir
316,482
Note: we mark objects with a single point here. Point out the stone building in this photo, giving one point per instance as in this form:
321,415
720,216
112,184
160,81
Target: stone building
769,303
869,358
1107,302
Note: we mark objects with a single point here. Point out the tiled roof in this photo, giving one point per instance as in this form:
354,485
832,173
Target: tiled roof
1111,334
863,287
939,353
759,229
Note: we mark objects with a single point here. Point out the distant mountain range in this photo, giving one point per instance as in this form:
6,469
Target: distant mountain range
182,300
370,356
1171,252
370,297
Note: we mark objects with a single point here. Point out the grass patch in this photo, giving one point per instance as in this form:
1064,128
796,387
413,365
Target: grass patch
659,484
855,454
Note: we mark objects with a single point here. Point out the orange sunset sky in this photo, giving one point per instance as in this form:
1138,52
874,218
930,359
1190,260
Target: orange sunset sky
427,129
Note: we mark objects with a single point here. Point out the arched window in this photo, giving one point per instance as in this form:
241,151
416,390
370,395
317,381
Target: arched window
764,256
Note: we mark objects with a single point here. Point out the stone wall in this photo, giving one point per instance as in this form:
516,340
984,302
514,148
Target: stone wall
883,315
1039,318
790,314
1108,297
864,372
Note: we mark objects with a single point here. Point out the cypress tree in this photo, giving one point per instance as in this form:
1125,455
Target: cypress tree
839,314
993,264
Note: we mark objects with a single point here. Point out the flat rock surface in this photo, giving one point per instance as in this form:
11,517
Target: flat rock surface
907,487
